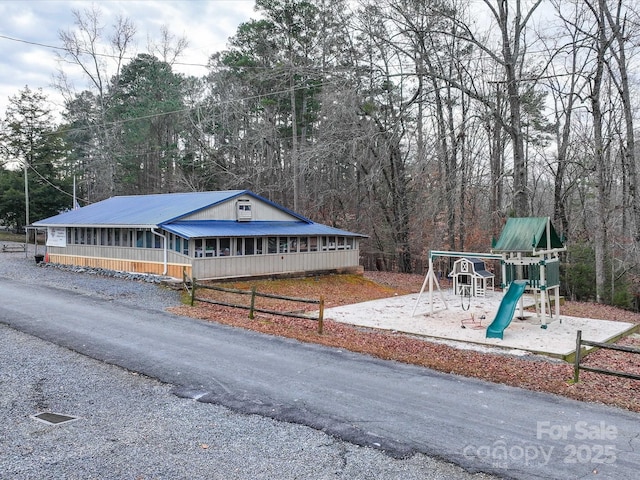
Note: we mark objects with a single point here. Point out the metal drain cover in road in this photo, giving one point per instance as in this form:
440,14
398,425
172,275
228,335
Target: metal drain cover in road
54,418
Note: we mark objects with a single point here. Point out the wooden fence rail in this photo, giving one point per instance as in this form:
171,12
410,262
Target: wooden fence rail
608,346
191,286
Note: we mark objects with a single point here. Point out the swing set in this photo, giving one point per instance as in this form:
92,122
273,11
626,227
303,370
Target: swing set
528,250
465,290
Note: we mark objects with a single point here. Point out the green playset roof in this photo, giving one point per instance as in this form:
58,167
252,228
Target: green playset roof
526,234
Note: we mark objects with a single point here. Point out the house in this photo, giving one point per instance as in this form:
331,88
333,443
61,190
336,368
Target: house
470,276
210,235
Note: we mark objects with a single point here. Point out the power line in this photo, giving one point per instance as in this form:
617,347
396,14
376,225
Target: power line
48,182
106,55
332,68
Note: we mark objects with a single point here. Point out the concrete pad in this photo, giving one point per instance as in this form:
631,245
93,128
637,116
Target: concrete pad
465,322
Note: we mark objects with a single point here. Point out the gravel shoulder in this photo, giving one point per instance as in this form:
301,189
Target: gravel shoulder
133,427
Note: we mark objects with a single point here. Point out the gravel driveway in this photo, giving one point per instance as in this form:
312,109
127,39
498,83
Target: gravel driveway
132,427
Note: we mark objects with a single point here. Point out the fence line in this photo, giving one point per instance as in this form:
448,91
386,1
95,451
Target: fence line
608,346
191,285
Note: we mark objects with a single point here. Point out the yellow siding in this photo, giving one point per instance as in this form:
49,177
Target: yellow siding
155,268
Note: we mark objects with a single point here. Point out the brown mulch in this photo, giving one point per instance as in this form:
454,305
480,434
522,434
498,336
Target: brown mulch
532,372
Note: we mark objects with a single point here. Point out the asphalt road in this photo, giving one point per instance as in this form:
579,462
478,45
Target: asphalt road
397,408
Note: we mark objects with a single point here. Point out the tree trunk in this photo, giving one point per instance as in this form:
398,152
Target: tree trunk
600,164
617,26
294,143
496,163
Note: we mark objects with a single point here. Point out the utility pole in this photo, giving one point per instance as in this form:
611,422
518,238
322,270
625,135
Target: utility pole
26,192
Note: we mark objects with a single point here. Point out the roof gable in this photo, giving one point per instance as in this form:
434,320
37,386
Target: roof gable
527,234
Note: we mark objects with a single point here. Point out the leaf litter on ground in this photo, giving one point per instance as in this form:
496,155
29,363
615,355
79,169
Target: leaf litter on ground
533,372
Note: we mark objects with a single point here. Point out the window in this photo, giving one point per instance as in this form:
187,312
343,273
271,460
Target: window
210,247
272,245
304,244
243,212
225,247
249,246
239,246
198,247
283,246
259,248
124,237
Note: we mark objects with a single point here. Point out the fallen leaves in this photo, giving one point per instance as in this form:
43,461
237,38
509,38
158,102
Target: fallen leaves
531,372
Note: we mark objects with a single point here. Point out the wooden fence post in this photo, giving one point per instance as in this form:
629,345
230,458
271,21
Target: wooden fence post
321,315
576,364
253,302
193,290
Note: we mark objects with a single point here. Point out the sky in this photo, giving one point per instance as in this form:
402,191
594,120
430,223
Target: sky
207,25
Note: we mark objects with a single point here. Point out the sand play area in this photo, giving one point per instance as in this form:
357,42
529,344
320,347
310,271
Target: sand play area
465,322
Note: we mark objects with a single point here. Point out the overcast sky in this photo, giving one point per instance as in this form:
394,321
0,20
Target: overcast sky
207,24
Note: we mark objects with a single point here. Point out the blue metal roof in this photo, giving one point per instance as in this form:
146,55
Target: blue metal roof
165,211
148,210
230,228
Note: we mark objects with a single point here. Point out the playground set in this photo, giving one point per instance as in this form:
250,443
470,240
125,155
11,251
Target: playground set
528,250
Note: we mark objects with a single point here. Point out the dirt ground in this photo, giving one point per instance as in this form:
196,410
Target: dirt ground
532,372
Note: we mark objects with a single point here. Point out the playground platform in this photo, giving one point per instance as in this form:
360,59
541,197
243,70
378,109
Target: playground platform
522,336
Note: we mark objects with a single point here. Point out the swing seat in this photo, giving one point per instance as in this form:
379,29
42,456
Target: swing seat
472,323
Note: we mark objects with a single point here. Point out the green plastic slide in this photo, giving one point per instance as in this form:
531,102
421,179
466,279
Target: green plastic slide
507,309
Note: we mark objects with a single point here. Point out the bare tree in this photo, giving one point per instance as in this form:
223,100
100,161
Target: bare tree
566,82
100,59
601,147
620,26
512,27
169,47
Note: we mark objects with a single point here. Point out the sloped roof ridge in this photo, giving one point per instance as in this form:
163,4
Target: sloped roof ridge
230,193
523,234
